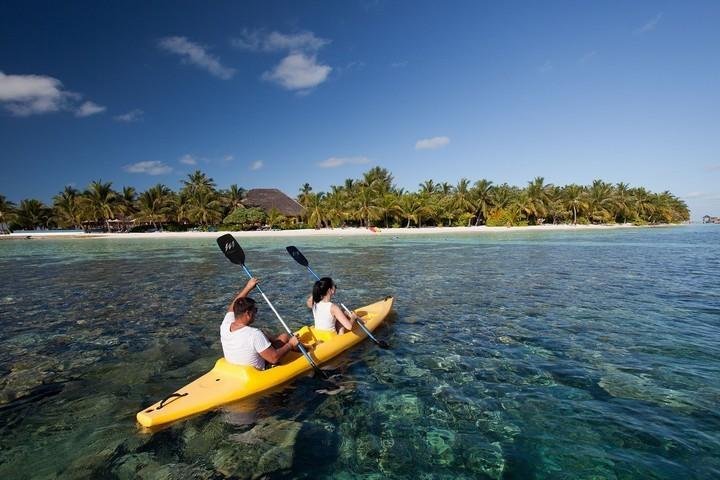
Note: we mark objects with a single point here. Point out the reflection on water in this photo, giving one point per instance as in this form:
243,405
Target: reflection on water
519,355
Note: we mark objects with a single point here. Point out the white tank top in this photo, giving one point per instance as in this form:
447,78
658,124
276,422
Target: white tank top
324,319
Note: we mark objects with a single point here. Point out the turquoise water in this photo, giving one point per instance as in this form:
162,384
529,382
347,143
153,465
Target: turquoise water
578,355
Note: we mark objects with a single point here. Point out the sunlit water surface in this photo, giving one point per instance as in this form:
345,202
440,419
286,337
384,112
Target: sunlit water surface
578,355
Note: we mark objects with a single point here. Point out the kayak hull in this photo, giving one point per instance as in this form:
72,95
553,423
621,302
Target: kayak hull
227,383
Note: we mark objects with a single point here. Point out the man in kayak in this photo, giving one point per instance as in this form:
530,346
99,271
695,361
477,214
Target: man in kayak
246,345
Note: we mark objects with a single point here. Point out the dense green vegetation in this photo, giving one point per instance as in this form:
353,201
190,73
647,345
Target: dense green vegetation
370,200
374,200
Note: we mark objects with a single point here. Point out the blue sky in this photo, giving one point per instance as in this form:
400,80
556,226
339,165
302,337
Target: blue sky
276,94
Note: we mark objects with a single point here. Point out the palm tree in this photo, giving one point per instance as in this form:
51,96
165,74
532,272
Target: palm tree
233,197
482,200
412,208
205,207
387,206
537,199
198,181
575,200
622,202
68,211
428,187
127,200
7,213
379,179
32,214
155,205
600,202
642,203
100,202
364,205
314,209
304,192
462,199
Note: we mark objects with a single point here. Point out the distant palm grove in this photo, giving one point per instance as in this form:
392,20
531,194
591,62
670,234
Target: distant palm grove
372,200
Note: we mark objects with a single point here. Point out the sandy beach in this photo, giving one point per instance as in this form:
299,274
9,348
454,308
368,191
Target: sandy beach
335,232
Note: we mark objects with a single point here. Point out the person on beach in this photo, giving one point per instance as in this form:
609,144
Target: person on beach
246,345
327,315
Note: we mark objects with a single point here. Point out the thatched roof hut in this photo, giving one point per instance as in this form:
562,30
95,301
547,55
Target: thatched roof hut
269,198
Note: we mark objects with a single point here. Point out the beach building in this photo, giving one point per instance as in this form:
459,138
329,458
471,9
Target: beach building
709,219
269,198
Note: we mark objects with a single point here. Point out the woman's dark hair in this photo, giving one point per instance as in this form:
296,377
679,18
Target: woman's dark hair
243,305
321,288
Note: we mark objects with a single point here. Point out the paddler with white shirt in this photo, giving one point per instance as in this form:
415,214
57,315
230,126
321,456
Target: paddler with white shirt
246,345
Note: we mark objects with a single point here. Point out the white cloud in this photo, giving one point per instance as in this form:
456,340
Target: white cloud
649,25
197,55
334,162
188,159
431,143
712,168
131,116
257,165
149,167
228,158
545,67
298,71
587,57
89,108
257,41
401,64
25,95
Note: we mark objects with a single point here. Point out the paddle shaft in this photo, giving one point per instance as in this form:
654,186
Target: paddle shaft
360,322
287,329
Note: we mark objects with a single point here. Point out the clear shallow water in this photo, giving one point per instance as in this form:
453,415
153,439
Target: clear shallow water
519,355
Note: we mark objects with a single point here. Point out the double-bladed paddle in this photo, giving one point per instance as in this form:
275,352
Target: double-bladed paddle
300,258
235,254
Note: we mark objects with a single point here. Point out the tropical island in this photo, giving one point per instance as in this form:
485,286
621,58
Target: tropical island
368,202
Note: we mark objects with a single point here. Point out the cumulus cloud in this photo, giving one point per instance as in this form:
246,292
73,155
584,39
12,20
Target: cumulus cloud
257,165
587,57
195,54
257,41
25,95
334,162
545,67
431,143
148,167
298,71
89,108
131,116
188,159
650,25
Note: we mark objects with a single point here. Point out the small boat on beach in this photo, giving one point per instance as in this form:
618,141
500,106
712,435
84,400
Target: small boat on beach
227,383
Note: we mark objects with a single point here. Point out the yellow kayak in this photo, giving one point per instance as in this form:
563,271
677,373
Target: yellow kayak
227,383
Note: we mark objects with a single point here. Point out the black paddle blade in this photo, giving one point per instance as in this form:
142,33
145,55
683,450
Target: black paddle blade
299,257
231,249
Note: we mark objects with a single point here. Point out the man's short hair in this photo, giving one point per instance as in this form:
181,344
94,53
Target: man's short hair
243,305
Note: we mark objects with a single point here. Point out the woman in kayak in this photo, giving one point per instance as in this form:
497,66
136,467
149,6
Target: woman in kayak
246,345
328,316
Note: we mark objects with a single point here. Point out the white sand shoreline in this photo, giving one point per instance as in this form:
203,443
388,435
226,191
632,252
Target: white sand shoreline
333,232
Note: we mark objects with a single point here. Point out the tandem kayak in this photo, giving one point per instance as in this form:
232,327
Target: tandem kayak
227,383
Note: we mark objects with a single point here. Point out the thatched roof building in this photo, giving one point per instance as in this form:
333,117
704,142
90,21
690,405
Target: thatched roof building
269,198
